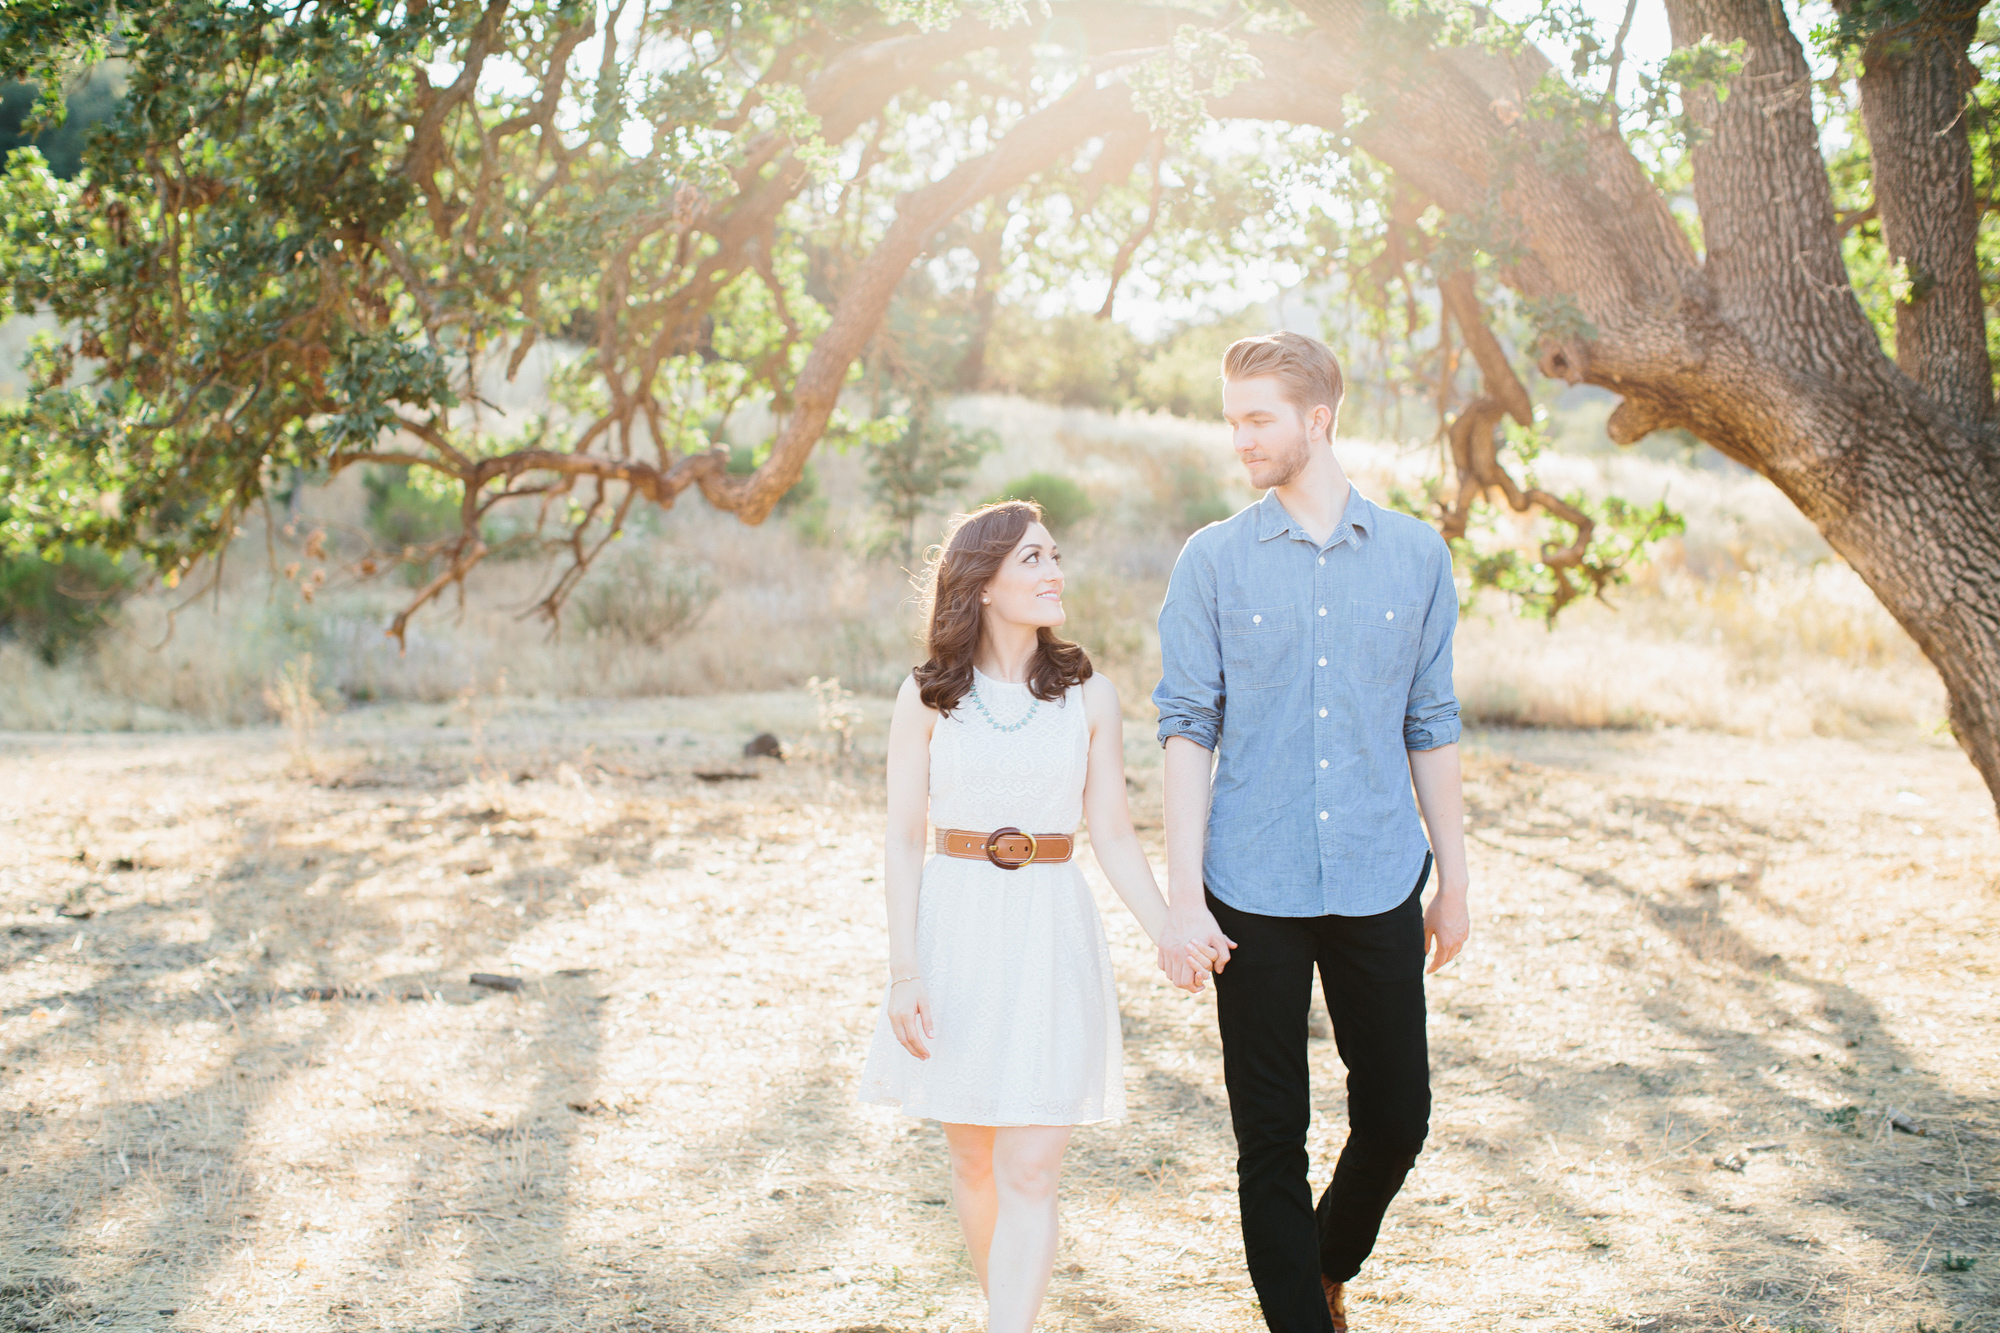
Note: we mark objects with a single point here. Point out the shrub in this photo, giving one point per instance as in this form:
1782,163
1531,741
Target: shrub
55,606
908,473
94,100
1078,360
642,596
1064,503
1072,359
1182,373
401,515
1197,499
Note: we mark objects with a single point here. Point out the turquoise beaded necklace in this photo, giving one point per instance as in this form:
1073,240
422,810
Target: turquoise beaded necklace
980,704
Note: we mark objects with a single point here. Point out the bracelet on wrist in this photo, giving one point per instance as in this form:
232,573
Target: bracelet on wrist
897,981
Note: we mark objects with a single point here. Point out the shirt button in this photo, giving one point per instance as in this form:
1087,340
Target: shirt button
1258,620
1322,661
1322,560
1388,615
1322,712
1322,610
1322,814
1322,763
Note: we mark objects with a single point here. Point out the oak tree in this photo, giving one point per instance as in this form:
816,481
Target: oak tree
312,228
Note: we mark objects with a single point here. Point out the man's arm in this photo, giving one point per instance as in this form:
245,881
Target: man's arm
1191,934
1430,734
1441,799
1119,854
1190,699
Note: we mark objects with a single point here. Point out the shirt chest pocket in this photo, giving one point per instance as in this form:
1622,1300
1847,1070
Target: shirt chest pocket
1260,648
1384,638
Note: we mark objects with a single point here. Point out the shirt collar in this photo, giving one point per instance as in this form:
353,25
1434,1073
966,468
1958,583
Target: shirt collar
1357,520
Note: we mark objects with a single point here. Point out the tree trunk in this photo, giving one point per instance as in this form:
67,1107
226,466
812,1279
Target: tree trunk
1913,92
986,249
1911,510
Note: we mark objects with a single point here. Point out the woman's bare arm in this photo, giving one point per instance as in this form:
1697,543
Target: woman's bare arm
1110,817
903,864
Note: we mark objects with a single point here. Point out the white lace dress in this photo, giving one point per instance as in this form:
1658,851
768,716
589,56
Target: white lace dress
1014,960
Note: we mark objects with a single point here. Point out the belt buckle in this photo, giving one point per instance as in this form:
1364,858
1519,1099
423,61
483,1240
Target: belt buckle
992,848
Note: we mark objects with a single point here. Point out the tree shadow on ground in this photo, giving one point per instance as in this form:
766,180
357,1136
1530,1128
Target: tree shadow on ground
1753,1264
134,1224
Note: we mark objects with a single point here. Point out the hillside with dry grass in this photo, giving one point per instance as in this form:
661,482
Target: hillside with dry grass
1745,625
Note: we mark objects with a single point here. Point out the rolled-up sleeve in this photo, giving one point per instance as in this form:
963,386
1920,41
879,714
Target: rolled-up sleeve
1430,719
1190,692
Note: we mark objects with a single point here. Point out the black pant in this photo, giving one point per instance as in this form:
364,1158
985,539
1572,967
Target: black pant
1371,968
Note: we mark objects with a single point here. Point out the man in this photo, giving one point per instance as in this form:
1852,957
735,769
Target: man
1306,648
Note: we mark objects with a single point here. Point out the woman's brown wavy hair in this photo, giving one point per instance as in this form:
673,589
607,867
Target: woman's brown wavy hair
959,570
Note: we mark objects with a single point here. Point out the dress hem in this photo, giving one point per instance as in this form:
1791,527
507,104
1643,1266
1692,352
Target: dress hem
918,1112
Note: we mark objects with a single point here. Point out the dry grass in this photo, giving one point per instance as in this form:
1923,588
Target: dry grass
1688,948
1795,652
788,610
1746,625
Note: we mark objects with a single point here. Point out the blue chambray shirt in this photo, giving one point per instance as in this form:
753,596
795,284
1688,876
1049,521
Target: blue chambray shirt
1311,671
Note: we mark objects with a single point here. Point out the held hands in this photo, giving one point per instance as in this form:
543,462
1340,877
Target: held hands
1182,971
1447,925
1191,946
910,1016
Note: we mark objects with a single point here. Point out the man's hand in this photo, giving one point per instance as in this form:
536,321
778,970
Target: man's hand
1447,925
1192,944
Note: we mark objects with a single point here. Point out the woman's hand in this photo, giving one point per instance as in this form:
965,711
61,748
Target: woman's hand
910,1016
1188,969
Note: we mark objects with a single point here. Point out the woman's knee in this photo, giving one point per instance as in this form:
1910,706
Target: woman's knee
972,1165
1027,1176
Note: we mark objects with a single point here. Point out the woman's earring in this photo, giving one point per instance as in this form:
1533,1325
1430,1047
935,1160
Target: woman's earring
986,601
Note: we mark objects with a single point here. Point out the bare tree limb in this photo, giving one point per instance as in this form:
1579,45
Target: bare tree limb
1858,217
1029,147
1132,243
1502,384
1618,56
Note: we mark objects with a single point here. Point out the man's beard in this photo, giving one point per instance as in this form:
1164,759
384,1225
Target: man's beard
1293,464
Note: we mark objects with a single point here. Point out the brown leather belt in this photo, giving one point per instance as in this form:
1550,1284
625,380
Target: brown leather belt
1008,848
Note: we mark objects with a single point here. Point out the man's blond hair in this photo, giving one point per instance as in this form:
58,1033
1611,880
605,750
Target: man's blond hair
1305,367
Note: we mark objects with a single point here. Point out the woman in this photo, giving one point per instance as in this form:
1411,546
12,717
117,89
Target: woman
1001,1019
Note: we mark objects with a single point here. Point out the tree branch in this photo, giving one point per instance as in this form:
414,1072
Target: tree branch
1132,243
1474,449
1030,146
1495,369
1618,57
427,136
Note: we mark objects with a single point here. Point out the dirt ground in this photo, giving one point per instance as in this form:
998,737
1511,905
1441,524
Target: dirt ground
245,1083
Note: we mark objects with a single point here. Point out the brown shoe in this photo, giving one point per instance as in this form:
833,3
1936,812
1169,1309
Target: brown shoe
1336,1303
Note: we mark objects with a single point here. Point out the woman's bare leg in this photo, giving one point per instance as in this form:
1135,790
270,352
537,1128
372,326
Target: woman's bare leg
1027,1162
972,1189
